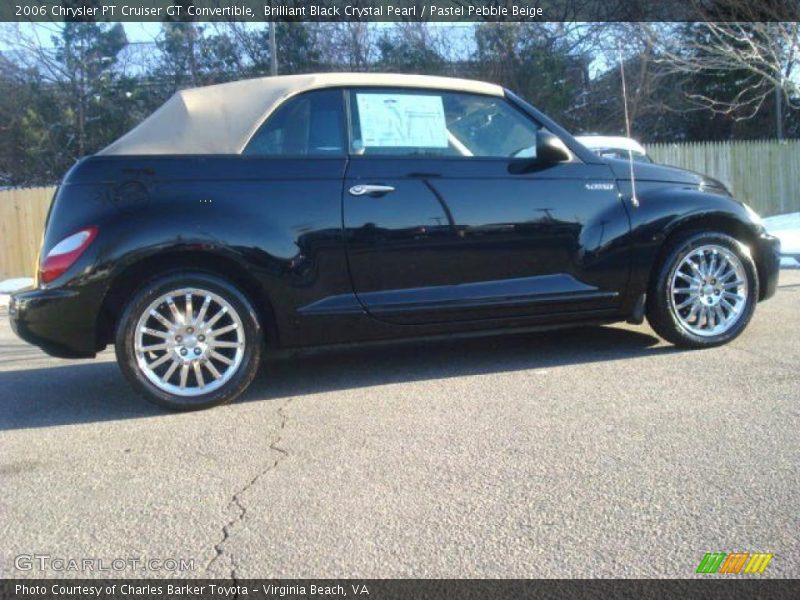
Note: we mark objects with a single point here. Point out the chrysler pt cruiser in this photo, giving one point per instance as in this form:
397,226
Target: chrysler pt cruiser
312,210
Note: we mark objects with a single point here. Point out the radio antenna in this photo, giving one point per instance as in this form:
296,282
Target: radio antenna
634,197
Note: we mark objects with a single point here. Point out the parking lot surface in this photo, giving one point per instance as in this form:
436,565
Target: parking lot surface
588,452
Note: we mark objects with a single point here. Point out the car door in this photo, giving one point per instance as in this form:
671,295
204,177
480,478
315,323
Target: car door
288,186
448,214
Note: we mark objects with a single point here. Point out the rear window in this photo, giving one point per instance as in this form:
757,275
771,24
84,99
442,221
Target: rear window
311,124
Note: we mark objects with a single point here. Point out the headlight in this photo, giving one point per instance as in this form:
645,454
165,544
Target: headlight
713,186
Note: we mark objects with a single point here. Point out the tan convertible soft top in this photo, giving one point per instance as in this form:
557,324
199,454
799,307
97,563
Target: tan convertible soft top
220,119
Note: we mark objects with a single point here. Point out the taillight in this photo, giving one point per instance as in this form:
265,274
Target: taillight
65,253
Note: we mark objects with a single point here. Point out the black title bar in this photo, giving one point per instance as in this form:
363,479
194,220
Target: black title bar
399,10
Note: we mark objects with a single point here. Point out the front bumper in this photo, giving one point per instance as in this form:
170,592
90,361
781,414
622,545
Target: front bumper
768,262
60,321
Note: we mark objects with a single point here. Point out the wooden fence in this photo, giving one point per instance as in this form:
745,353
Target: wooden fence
765,174
22,215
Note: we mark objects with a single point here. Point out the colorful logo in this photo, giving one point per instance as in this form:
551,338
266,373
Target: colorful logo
735,563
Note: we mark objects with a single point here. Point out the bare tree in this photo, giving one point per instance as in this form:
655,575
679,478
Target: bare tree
413,47
629,44
759,53
80,64
350,42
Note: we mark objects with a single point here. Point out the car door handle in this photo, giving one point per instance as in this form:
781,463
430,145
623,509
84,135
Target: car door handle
360,190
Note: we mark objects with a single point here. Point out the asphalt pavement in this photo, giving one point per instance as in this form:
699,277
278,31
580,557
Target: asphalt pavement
597,452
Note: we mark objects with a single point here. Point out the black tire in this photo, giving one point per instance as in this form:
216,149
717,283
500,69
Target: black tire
151,292
660,314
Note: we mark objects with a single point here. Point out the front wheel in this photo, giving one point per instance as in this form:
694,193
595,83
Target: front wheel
705,291
188,341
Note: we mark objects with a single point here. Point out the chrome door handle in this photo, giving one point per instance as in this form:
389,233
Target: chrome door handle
360,190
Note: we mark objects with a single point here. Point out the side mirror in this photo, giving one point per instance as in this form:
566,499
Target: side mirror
550,148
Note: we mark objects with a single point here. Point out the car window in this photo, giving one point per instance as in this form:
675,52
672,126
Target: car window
622,153
426,123
311,124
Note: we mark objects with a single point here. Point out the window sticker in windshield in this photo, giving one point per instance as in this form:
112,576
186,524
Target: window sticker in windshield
402,121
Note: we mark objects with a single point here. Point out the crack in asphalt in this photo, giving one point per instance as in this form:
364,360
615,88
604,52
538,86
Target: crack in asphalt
236,499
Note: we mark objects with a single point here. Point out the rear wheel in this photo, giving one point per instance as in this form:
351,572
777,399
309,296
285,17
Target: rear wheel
705,291
189,341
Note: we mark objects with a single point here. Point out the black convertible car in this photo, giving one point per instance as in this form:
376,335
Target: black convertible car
312,210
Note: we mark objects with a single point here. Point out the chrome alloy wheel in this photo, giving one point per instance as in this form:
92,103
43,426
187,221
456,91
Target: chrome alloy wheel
189,342
708,290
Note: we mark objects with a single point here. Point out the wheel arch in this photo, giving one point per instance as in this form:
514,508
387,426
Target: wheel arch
136,274
716,222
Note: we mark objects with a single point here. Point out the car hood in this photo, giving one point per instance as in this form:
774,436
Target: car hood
661,173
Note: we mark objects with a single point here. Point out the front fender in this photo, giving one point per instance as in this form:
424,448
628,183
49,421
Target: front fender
666,209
